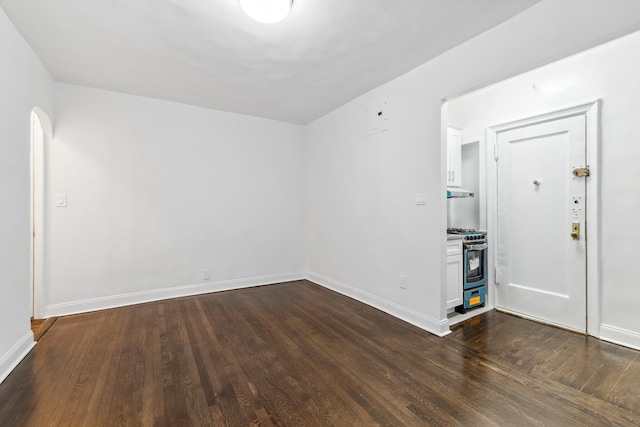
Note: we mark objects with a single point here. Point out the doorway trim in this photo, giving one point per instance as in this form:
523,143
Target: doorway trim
591,111
37,173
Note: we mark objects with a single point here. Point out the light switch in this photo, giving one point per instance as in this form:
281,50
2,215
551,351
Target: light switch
420,199
61,200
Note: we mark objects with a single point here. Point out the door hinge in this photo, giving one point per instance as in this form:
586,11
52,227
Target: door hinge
495,152
581,171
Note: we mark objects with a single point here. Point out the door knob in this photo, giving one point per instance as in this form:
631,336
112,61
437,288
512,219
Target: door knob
575,229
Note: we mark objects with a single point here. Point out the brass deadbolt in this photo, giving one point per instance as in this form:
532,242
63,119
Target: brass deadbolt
575,229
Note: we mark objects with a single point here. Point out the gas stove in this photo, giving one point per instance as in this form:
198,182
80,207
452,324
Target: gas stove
469,235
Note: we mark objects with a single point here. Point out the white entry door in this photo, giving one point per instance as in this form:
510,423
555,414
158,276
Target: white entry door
540,203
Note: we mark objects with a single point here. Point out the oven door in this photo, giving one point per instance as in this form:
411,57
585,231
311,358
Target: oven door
475,265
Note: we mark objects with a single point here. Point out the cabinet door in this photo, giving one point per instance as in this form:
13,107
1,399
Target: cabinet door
454,280
454,157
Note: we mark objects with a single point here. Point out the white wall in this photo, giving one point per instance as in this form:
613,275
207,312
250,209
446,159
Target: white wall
363,229
158,191
145,215
24,84
609,73
464,212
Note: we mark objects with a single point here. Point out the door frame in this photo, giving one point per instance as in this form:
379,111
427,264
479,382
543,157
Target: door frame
37,200
591,111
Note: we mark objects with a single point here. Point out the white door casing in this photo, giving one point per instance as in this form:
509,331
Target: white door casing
41,135
542,267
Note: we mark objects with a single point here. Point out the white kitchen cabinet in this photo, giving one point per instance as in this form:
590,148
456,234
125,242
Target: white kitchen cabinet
454,157
454,273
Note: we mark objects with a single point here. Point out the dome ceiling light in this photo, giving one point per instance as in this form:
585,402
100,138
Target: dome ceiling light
267,11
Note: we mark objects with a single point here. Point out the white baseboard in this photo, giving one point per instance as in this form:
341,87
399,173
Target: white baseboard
11,359
620,336
103,303
429,324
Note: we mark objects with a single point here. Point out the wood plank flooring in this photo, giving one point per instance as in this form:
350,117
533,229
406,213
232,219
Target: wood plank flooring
40,326
296,354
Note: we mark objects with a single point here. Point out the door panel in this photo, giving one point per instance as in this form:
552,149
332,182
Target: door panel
542,268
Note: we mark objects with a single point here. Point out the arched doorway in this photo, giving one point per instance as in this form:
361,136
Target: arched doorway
41,135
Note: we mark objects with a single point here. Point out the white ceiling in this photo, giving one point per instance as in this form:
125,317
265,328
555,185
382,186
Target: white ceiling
209,53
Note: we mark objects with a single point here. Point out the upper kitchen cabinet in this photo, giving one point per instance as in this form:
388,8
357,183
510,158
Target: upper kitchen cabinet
454,157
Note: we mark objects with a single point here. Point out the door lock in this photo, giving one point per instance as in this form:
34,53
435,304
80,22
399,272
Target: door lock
575,229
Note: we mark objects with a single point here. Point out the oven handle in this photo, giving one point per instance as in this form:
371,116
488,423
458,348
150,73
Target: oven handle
476,247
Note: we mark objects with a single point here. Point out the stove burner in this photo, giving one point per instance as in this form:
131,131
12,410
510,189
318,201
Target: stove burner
462,231
469,235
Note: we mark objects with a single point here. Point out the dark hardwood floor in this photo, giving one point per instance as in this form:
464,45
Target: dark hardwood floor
40,326
296,354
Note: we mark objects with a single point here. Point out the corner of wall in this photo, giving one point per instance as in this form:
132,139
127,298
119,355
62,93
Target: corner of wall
429,324
15,355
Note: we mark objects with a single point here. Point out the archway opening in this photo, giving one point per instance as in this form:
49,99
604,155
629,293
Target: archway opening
41,135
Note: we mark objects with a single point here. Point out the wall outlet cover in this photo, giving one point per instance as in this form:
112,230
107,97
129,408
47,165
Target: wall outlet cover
61,200
403,282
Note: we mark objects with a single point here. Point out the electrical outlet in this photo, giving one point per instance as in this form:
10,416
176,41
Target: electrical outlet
61,200
403,282
206,274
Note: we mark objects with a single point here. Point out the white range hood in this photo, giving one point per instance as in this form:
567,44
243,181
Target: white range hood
457,192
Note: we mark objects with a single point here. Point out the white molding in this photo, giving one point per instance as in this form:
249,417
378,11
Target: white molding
103,303
591,111
11,359
594,259
620,336
564,113
38,172
429,324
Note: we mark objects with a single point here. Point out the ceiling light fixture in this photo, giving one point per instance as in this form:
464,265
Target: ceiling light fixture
268,11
